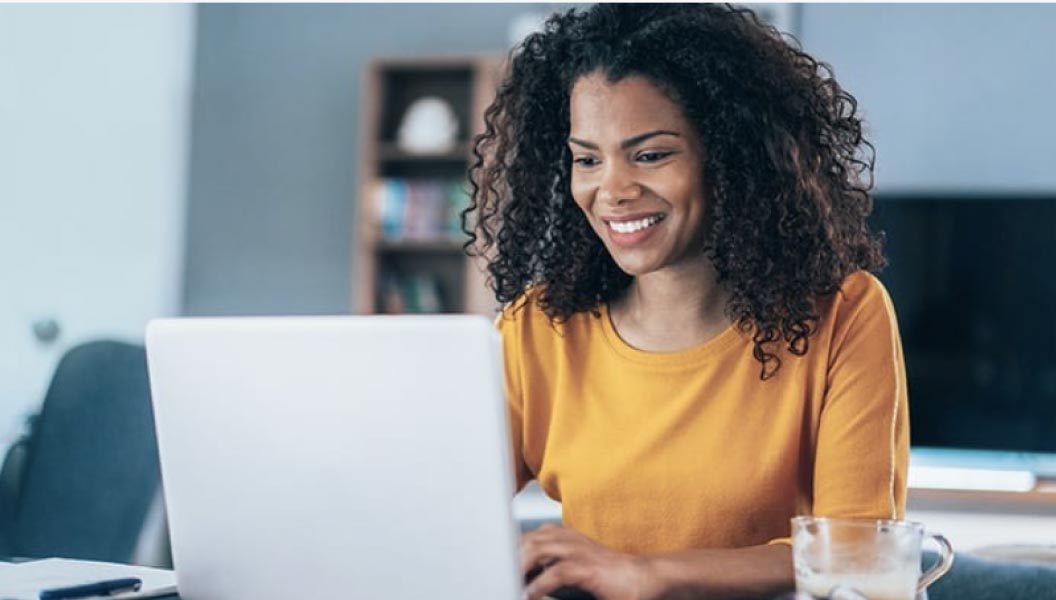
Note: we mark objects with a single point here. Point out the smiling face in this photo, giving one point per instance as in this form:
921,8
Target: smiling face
636,172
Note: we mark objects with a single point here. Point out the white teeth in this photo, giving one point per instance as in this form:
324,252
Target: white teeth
632,226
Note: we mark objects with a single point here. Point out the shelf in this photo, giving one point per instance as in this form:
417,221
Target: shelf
392,153
391,270
426,245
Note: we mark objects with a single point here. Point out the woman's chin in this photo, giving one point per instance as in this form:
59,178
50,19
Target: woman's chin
636,265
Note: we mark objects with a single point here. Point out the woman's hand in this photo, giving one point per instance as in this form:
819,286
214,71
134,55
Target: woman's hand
570,559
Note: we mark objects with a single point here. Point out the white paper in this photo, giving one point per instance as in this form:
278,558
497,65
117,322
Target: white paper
24,581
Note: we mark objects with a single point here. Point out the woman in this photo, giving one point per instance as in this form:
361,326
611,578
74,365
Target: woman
673,202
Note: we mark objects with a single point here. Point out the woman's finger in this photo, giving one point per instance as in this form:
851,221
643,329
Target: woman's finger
558,575
536,551
556,533
548,532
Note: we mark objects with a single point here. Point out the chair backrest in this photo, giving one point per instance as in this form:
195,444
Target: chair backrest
973,578
91,465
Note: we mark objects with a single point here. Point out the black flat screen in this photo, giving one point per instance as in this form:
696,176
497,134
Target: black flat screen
973,281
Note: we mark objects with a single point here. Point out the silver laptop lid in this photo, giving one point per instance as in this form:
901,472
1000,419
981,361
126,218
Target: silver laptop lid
334,457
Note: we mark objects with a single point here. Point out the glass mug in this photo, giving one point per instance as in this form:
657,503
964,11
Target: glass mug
870,559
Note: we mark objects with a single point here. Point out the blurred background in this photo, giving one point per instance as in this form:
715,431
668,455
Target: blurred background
166,159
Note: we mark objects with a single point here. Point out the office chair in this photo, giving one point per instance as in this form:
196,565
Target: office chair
975,578
84,482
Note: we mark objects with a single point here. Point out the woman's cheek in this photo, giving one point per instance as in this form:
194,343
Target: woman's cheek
581,197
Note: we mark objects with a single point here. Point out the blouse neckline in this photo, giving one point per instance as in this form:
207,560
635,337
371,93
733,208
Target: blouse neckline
677,358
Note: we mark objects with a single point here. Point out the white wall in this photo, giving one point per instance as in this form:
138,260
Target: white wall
94,107
959,96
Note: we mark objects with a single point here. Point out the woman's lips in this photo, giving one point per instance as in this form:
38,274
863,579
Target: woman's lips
631,231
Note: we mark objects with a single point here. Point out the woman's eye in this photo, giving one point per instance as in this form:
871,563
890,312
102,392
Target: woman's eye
653,156
585,161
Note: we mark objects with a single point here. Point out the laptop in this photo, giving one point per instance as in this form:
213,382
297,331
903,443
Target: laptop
335,457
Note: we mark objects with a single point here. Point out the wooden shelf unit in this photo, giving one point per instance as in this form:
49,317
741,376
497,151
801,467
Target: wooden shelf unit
392,153
381,258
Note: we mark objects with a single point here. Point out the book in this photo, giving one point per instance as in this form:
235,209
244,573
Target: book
415,293
420,209
25,580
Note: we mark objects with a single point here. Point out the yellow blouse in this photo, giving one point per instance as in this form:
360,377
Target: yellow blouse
653,452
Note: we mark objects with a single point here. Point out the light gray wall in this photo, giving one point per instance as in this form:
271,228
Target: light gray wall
275,142
960,97
94,114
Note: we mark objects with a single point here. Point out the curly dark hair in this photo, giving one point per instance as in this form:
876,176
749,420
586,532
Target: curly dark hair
785,165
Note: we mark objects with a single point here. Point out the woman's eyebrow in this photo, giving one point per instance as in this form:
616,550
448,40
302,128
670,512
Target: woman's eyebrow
627,143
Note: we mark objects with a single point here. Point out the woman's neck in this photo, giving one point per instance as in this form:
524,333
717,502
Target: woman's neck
672,309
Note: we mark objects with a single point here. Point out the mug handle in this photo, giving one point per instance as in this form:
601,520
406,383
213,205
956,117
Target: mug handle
941,566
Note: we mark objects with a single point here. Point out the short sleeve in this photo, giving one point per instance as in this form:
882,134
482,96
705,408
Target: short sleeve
862,455
506,323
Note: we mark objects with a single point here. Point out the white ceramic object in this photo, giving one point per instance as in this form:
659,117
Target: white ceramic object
428,126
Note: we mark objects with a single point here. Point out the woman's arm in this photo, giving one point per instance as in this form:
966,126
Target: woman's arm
572,560
861,461
752,572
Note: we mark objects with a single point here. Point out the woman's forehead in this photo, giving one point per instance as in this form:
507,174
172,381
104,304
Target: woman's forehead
629,106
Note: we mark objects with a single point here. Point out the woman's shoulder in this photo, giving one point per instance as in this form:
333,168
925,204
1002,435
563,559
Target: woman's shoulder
526,315
862,288
521,310
861,296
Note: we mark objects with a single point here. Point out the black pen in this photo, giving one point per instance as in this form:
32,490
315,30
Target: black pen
109,587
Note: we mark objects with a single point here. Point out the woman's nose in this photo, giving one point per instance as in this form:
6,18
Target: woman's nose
617,185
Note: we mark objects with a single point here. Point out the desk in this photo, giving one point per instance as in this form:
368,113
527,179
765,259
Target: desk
975,579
